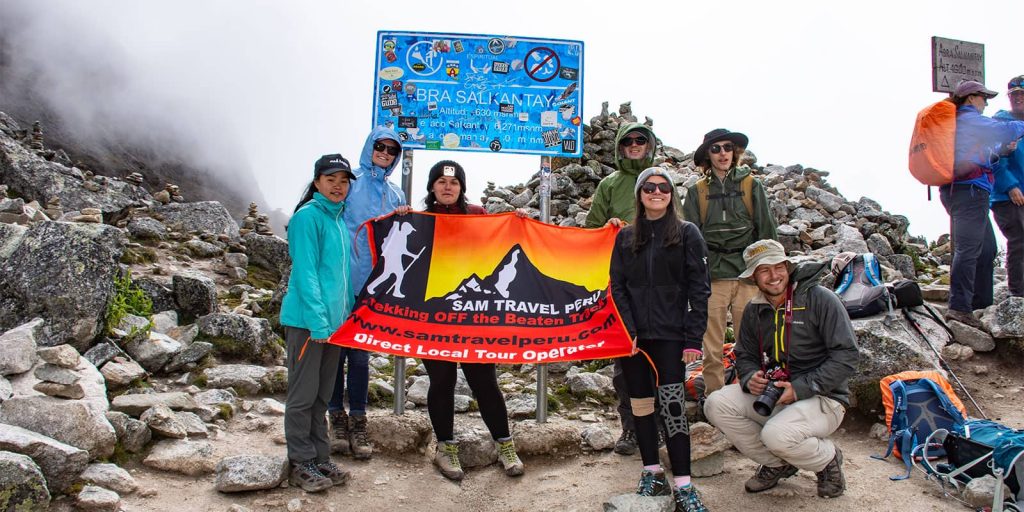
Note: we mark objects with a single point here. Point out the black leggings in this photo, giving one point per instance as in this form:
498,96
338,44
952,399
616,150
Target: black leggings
482,379
667,357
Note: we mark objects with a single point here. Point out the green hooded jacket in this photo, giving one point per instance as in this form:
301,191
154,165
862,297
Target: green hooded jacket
729,228
614,197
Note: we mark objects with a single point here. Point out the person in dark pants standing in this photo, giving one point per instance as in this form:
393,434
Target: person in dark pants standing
660,283
614,204
446,194
319,299
979,142
1008,193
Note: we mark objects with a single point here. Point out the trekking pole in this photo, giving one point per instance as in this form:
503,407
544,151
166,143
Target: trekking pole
942,362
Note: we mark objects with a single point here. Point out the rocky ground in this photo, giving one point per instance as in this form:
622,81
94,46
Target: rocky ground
141,366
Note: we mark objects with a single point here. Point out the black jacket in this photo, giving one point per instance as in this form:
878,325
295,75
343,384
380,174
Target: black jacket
820,351
652,288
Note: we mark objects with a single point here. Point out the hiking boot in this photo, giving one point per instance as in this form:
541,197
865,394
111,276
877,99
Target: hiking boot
308,477
359,442
768,477
831,482
653,484
626,445
447,460
508,457
339,427
688,500
964,317
331,470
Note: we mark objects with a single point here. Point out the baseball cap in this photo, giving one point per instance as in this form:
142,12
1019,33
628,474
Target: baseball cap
1016,84
969,87
330,164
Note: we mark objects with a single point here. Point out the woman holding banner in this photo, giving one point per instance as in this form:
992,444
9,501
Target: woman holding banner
446,193
319,299
658,267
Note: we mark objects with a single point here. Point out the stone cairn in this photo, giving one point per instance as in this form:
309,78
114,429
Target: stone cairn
255,221
57,373
53,208
37,137
168,194
136,178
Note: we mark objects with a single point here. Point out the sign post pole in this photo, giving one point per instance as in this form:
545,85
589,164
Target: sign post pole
400,360
545,217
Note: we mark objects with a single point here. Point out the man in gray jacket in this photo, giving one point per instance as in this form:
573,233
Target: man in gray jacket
796,344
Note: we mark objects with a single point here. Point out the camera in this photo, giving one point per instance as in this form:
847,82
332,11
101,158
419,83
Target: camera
765,402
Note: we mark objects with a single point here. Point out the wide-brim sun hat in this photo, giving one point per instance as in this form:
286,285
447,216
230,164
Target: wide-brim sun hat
763,252
700,157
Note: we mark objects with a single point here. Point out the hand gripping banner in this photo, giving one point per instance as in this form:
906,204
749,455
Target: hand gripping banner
486,288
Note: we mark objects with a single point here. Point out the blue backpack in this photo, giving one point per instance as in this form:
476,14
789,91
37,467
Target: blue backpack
918,403
859,285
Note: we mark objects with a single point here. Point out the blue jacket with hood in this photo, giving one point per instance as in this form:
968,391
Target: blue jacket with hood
369,196
319,294
1010,169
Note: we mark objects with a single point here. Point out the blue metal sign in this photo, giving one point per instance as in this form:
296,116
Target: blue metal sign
472,92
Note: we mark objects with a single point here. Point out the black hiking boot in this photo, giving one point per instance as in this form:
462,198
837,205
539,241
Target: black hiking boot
768,477
626,445
831,481
688,500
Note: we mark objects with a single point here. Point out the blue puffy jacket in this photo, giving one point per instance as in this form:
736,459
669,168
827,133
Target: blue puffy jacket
1010,169
370,195
319,294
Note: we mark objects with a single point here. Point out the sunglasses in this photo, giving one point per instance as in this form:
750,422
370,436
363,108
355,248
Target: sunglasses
633,141
718,148
663,187
391,150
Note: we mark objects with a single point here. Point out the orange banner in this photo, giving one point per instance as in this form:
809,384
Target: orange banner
486,288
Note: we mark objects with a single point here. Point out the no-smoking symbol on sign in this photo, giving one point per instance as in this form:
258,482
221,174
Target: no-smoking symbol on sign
542,64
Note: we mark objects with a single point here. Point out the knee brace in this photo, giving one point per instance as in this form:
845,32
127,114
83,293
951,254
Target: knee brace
672,398
642,406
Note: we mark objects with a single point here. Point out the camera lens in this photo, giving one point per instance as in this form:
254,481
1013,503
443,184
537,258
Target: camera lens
765,402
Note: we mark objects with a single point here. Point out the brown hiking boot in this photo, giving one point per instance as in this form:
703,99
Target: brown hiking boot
831,482
337,475
359,442
308,477
339,427
964,317
768,477
447,460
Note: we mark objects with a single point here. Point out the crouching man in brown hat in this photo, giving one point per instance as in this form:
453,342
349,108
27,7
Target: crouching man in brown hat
795,355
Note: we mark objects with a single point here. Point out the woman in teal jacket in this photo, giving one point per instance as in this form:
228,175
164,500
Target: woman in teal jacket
318,300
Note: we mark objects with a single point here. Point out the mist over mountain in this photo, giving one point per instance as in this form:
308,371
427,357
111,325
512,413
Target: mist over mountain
79,83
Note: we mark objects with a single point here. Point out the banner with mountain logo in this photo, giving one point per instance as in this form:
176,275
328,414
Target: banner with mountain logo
486,288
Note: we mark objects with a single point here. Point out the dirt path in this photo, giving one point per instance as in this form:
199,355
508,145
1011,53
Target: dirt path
583,483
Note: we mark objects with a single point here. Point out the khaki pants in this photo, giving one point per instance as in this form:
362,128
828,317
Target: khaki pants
796,433
726,294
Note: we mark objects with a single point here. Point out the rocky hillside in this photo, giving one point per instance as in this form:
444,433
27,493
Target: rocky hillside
138,328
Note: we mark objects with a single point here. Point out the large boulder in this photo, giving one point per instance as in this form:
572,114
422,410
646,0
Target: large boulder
552,438
247,379
22,485
1008,320
110,476
64,273
241,336
195,294
199,217
407,433
136,404
192,458
268,251
18,348
60,463
73,422
250,473
889,346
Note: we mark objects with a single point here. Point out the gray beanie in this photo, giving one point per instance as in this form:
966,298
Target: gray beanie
648,172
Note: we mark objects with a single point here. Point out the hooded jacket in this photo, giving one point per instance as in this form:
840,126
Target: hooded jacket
370,195
615,195
319,294
819,348
978,138
729,228
1009,171
662,292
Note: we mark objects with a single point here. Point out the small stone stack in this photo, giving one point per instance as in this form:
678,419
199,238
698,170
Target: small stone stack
37,137
58,375
136,178
53,209
89,215
255,221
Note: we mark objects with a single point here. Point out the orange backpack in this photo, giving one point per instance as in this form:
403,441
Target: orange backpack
932,146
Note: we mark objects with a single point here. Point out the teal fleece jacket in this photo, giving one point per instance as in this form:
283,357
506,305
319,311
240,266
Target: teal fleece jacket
319,294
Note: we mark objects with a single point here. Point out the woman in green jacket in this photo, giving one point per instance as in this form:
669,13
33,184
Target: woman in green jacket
318,300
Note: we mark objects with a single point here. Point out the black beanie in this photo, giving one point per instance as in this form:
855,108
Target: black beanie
446,168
